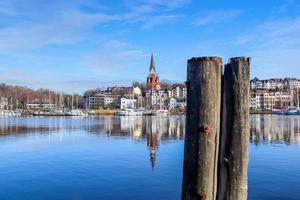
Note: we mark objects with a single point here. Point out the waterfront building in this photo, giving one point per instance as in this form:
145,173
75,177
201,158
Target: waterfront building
275,84
153,78
292,83
156,99
269,100
178,91
102,100
136,91
181,104
116,90
128,103
172,103
3,103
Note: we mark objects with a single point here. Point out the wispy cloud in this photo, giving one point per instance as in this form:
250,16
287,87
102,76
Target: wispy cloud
274,46
166,4
283,8
113,55
217,16
283,32
158,20
67,27
34,24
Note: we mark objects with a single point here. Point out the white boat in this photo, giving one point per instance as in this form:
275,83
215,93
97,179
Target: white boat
76,112
49,113
9,113
292,111
130,112
277,111
162,112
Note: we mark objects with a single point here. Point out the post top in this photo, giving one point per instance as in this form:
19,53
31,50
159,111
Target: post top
241,58
203,58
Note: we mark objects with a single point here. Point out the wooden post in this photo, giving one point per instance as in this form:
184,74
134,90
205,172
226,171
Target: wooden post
235,131
202,128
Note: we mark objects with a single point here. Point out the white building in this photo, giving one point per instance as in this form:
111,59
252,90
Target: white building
181,104
292,83
137,91
172,103
157,98
179,91
101,100
128,103
3,103
268,100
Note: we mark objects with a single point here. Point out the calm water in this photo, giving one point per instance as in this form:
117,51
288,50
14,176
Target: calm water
131,158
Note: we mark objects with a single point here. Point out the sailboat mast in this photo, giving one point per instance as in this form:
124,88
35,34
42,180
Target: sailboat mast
11,104
292,97
297,97
72,102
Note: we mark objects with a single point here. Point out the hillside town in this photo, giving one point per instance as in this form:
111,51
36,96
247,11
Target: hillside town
278,96
152,97
275,95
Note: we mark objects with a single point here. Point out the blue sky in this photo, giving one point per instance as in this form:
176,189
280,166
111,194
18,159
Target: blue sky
81,44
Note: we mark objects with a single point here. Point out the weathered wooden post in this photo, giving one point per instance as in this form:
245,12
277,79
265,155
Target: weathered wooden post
202,128
235,131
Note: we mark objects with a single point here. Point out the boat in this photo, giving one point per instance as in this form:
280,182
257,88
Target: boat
147,112
76,112
293,111
9,113
279,110
130,112
162,112
49,112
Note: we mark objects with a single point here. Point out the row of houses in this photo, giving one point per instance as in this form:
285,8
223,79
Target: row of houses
267,100
273,84
136,98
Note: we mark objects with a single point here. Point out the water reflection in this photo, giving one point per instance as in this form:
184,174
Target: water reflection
152,129
275,129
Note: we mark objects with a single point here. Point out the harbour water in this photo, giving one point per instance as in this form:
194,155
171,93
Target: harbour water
131,157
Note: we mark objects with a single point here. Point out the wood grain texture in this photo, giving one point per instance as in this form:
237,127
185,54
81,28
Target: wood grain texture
235,131
202,128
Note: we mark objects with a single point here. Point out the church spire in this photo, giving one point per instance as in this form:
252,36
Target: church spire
152,79
152,65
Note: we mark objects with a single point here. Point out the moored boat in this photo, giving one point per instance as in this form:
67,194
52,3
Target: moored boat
9,113
293,111
130,112
76,112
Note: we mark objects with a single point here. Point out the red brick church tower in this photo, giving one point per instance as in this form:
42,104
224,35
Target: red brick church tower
152,79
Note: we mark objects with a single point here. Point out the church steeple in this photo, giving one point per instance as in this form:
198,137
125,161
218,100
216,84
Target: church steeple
152,65
152,79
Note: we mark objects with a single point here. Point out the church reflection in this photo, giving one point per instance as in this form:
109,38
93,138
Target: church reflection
148,130
153,129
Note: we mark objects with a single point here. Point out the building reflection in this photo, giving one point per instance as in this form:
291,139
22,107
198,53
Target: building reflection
148,130
153,129
275,129
11,126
